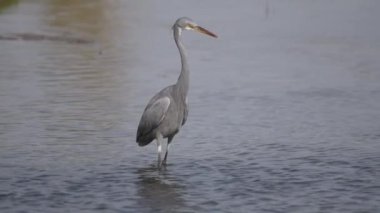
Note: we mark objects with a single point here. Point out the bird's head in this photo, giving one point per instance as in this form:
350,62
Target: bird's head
185,23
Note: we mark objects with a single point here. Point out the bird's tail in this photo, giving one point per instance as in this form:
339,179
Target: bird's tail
143,140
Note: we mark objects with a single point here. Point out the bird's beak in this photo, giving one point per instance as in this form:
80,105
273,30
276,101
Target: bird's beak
204,31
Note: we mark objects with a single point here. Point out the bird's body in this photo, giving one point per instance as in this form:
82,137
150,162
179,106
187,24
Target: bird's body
167,111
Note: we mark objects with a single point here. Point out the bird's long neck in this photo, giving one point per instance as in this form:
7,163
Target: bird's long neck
182,84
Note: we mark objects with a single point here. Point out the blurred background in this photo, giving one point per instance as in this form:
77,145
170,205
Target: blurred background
284,106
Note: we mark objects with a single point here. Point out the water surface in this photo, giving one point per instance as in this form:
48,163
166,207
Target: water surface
284,106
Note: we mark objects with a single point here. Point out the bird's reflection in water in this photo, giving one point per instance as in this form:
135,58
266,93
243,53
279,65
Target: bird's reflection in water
158,191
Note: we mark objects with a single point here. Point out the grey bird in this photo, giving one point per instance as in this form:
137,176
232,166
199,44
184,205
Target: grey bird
167,111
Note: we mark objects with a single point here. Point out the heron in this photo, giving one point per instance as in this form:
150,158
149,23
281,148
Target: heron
167,111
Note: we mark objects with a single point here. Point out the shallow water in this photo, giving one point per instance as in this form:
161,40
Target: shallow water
284,106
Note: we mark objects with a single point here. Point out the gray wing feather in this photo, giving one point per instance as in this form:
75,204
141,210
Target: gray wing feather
185,113
153,115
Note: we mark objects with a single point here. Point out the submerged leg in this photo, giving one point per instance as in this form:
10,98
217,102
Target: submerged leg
167,150
161,149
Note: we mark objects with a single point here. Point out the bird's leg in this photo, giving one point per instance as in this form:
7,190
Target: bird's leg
167,149
161,149
166,155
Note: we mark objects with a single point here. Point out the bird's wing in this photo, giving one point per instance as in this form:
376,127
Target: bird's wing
153,115
185,113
